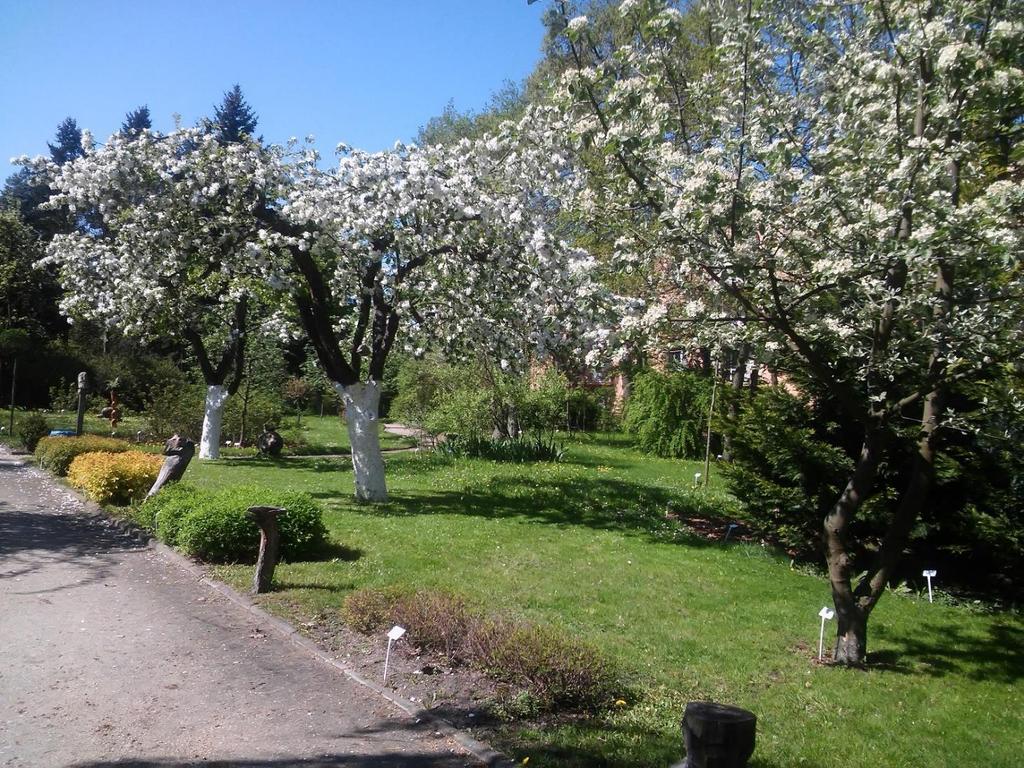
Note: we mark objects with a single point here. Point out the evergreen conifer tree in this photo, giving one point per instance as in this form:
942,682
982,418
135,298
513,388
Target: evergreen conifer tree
136,121
69,142
234,118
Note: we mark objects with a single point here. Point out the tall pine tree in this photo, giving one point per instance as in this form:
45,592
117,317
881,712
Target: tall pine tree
234,118
136,121
69,142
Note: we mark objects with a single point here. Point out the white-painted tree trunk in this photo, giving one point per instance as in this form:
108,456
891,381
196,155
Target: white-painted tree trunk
213,415
362,405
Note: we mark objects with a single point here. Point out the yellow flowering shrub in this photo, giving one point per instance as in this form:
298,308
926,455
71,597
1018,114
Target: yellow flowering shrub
57,453
114,478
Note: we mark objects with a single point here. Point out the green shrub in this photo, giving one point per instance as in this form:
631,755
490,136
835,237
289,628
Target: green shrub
786,470
164,512
474,402
114,478
31,429
55,454
246,413
667,413
546,669
512,449
177,407
217,528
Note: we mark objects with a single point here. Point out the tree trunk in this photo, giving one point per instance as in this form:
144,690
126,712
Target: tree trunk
362,407
245,406
213,415
270,544
851,634
851,638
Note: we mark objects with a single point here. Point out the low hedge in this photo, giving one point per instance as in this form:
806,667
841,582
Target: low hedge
163,513
31,429
114,478
214,526
540,665
55,454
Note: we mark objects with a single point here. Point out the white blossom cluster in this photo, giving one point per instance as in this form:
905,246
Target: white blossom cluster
169,240
449,247
807,188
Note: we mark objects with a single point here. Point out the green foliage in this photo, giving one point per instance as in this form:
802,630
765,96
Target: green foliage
15,342
246,413
476,404
177,407
55,454
786,470
667,413
136,121
233,119
550,670
64,395
31,429
68,146
215,526
28,296
972,529
521,449
164,512
507,103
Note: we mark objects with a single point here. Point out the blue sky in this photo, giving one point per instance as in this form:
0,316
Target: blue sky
366,72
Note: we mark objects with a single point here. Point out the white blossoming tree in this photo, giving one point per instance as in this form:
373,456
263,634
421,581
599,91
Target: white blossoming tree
444,247
175,255
843,186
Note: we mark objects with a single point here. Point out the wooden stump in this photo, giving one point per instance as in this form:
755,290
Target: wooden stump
718,735
179,452
270,540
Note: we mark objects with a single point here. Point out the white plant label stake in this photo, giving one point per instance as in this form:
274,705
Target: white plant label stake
393,634
929,575
826,613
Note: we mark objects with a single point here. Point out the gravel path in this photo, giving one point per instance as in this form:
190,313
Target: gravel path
111,655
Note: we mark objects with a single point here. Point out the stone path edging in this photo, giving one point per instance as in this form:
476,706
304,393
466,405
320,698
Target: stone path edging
481,751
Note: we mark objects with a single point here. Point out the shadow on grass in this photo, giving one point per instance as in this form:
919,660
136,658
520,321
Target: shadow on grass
283,585
599,744
599,503
938,650
332,550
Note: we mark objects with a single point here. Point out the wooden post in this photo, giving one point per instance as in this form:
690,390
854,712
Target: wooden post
270,539
718,735
14,379
83,388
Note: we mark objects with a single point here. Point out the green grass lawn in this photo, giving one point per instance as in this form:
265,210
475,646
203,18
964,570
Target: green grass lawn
319,435
585,545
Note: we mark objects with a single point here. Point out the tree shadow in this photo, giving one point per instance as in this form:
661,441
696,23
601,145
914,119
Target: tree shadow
607,504
332,550
282,585
600,744
940,649
31,541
